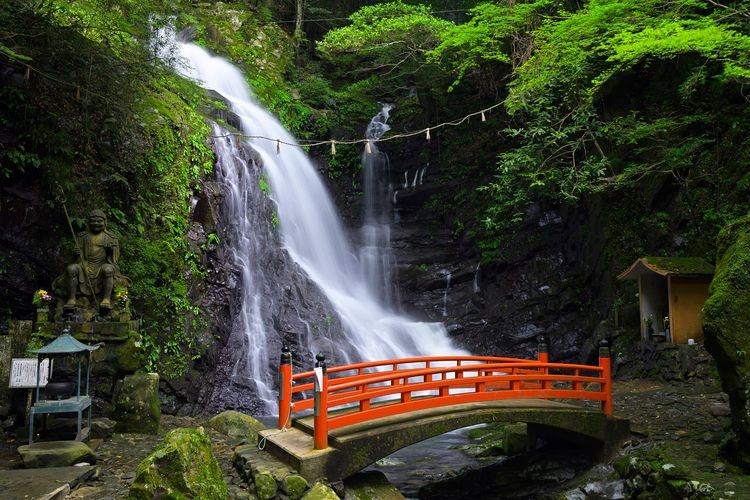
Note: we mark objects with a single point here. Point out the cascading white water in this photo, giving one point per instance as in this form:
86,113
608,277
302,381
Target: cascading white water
313,235
376,256
238,183
445,294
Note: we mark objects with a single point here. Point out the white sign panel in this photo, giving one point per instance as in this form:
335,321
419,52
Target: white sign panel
23,373
318,371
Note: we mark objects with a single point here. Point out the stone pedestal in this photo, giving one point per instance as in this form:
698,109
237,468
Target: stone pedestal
136,404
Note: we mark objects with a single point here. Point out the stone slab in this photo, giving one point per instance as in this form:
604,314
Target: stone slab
51,454
48,483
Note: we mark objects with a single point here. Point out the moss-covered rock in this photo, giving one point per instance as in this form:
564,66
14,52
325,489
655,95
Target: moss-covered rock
320,491
727,331
294,486
265,485
129,354
515,439
55,454
370,485
237,425
182,466
136,406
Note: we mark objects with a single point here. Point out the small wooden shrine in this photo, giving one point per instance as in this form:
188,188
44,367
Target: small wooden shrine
671,292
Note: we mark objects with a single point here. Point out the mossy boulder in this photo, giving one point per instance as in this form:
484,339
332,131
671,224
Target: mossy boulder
136,406
182,466
55,454
237,425
265,485
726,327
320,491
294,486
129,354
370,485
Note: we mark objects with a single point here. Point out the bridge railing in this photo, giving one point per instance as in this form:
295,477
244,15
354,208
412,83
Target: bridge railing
365,391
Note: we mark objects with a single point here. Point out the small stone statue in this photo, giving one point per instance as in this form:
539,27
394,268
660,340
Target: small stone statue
96,272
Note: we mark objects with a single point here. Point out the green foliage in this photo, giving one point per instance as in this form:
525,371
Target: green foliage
495,33
610,96
263,185
387,40
389,34
117,131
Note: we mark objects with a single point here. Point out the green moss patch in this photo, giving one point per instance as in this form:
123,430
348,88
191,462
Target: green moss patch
182,466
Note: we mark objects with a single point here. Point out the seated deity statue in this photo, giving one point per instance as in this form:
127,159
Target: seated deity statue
96,272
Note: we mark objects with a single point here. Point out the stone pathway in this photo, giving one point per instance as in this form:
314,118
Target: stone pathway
686,421
119,456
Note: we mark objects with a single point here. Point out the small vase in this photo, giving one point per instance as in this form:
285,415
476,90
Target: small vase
42,315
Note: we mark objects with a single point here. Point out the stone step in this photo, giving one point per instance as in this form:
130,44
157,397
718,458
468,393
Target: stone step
48,483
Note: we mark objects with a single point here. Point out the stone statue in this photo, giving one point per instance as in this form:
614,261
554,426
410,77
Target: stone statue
96,272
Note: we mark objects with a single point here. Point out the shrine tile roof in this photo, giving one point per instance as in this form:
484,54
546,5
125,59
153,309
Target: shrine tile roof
668,266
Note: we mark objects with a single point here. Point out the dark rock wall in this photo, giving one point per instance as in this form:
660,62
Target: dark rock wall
294,310
545,284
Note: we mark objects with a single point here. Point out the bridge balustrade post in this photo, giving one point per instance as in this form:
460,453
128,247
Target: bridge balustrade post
605,362
542,350
543,357
320,420
285,387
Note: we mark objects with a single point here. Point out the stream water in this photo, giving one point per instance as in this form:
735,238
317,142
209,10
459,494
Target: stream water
355,281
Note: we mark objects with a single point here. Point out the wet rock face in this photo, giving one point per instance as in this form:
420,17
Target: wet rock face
542,285
538,287
294,310
29,252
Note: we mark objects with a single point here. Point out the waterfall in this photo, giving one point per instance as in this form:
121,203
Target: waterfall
313,235
239,186
376,256
448,276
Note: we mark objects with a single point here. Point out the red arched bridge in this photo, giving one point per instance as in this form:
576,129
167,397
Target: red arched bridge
365,411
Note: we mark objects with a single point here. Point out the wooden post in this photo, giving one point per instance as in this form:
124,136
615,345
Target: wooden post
605,362
285,387
543,357
320,421
542,350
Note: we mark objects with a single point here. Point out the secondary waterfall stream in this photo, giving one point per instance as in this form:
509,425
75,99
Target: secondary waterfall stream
376,255
313,235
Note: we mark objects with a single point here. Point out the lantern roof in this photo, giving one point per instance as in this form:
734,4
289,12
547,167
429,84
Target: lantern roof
65,344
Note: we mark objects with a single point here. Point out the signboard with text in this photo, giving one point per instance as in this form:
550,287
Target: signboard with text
23,373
